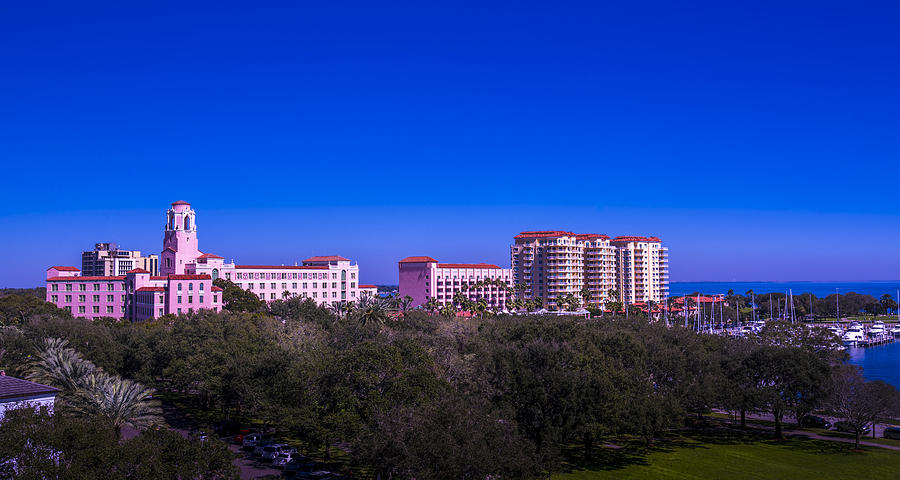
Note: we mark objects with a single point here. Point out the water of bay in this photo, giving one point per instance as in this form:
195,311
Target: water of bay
881,362
819,289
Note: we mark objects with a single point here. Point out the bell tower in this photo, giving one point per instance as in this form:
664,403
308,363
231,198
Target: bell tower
180,240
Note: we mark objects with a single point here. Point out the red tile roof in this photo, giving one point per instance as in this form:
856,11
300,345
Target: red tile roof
591,236
419,259
163,277
151,289
189,277
216,289
83,279
137,270
631,238
209,255
66,269
368,286
327,258
180,202
544,233
466,265
11,387
286,267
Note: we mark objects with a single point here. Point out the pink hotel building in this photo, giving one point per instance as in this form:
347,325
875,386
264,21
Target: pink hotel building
186,275
423,278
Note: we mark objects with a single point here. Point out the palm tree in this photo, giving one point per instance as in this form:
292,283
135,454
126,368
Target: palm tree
480,307
59,366
124,402
405,303
372,310
432,305
585,295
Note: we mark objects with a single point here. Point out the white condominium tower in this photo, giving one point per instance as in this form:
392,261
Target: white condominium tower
551,265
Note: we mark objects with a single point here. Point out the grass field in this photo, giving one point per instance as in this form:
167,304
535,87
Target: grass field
737,456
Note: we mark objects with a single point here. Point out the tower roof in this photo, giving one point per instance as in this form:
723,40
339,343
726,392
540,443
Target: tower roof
180,202
418,259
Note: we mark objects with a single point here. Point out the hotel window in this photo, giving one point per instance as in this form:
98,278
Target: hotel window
251,286
179,311
315,284
201,299
109,298
304,275
110,287
68,299
68,287
333,284
284,286
81,309
53,298
162,299
333,294
160,312
352,275
96,287
352,293
179,287
123,298
190,287
82,287
352,284
215,299
262,296
334,276
262,286
294,285
272,296
179,299
305,284
273,285
190,299
294,276
54,287
201,287
81,298
227,276
109,309
68,309
96,309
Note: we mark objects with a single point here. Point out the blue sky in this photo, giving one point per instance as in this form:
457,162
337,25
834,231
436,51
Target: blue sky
760,142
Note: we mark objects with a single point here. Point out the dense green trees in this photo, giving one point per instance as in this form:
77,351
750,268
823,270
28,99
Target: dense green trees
419,395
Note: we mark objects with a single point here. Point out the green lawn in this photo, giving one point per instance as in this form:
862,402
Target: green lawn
737,456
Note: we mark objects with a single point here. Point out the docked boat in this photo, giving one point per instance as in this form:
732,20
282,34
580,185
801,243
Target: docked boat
853,336
896,331
877,329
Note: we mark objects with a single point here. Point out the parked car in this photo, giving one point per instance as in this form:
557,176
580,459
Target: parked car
272,451
251,440
846,427
891,432
239,437
283,459
259,449
815,422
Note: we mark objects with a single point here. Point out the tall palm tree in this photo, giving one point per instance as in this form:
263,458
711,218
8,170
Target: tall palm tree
371,310
404,304
432,305
59,366
124,402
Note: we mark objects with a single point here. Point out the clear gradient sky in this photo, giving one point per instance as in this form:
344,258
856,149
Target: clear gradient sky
760,142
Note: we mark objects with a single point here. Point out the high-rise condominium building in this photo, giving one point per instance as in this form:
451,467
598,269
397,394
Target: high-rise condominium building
107,259
553,264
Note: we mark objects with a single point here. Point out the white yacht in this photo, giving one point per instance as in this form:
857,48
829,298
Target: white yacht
853,336
877,328
896,331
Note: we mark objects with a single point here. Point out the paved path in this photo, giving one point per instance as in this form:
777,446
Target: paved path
810,434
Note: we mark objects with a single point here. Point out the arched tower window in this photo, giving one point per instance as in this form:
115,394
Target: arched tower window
215,273
173,222
187,222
